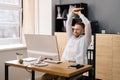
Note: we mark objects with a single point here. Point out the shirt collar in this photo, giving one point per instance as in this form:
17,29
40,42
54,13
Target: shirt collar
77,37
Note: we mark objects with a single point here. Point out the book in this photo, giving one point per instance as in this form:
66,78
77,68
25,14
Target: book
29,59
75,66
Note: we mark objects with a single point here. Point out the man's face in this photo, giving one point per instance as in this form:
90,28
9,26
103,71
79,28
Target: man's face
78,30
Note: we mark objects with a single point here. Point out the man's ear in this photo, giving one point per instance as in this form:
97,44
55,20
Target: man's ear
83,31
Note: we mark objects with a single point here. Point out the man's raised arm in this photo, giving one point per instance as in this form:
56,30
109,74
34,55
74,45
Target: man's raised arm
87,26
69,25
85,21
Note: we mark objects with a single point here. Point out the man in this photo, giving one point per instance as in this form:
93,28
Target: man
78,43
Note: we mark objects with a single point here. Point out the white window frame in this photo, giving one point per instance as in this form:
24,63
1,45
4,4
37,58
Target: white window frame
7,41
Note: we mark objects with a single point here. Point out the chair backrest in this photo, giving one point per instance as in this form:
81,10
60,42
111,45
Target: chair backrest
62,40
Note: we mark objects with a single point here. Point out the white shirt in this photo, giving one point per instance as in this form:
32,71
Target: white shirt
76,48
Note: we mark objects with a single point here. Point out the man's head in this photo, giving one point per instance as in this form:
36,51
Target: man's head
78,29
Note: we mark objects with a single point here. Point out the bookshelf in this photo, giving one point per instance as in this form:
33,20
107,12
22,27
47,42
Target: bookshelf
61,12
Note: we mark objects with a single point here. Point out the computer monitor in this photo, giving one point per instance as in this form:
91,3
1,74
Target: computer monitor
42,45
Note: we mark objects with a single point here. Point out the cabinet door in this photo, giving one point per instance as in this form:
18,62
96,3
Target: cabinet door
116,57
104,56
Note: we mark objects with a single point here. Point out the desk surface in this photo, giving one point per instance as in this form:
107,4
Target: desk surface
55,69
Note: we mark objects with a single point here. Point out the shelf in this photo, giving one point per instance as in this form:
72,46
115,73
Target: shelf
61,12
61,18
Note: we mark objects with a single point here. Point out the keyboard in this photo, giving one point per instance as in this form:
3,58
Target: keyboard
52,61
29,59
41,64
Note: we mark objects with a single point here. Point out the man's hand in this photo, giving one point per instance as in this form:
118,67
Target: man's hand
77,10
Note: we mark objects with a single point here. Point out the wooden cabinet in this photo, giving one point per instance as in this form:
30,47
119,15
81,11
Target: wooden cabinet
107,56
104,56
116,57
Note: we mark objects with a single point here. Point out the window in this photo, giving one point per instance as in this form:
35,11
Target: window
10,21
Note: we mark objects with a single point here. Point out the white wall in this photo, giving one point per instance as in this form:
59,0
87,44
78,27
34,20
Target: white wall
45,16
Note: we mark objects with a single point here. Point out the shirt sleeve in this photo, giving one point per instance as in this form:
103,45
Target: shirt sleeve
69,25
87,27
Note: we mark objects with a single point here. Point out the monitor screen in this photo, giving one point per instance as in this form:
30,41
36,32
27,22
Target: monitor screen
42,45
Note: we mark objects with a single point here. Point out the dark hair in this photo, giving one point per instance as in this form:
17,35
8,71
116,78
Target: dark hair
81,24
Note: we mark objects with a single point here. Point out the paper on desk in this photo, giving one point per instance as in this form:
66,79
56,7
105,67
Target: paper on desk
29,59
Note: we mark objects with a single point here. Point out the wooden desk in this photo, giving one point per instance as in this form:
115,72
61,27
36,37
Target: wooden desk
54,69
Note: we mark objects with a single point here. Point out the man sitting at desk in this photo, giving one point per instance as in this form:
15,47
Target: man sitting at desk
79,39
78,43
